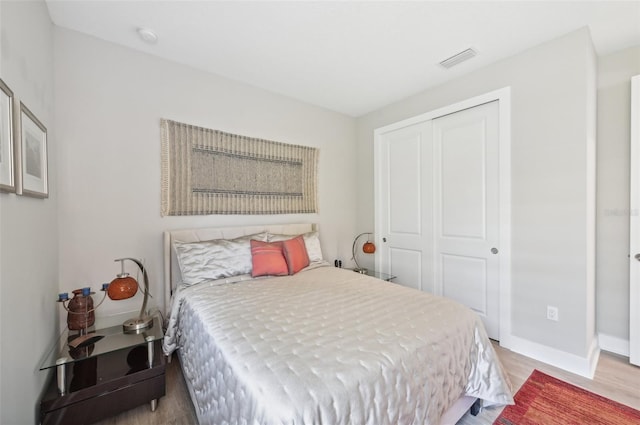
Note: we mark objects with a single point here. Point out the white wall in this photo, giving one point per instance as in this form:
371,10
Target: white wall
553,115
28,226
109,101
614,87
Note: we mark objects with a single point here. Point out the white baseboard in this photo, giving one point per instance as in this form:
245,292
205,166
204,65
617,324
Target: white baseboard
583,366
613,344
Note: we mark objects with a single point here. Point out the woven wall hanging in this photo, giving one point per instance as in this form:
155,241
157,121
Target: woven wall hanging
208,171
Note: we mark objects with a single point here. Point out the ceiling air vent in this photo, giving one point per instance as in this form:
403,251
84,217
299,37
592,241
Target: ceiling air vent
458,57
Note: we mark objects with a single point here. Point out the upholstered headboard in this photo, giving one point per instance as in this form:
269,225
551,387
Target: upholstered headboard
171,268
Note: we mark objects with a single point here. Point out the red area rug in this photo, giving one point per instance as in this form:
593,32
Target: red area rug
545,400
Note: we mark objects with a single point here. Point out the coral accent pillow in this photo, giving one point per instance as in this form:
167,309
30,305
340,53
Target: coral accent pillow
268,259
295,252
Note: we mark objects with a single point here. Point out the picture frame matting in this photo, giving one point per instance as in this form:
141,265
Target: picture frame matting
33,156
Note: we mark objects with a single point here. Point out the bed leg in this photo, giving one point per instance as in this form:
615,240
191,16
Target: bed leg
475,407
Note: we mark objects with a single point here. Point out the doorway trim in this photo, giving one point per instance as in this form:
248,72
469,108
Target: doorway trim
503,96
634,225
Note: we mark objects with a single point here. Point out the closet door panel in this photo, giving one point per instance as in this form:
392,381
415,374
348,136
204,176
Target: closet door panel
405,214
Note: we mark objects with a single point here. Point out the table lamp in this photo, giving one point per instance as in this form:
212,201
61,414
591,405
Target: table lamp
368,248
125,286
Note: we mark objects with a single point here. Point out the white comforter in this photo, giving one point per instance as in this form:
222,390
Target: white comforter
329,346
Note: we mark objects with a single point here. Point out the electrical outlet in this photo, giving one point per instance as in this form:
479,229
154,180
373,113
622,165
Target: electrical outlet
552,313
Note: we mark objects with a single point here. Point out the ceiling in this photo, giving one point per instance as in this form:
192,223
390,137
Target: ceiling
346,56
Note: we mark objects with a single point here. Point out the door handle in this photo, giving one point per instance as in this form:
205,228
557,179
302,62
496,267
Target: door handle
495,251
637,257
385,239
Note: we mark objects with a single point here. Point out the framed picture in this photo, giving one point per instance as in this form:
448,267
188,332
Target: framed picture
7,158
32,156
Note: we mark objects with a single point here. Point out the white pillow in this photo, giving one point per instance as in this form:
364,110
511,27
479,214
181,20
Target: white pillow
311,242
215,259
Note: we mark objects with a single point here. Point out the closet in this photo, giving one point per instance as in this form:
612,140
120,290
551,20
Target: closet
442,204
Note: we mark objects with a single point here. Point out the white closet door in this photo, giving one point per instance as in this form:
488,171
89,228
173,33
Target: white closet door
466,211
404,206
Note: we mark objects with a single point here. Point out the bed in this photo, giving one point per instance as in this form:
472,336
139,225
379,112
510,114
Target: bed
322,346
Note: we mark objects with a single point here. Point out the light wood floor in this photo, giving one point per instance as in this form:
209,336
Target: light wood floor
615,378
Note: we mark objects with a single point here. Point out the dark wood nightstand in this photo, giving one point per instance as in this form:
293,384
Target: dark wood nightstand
115,373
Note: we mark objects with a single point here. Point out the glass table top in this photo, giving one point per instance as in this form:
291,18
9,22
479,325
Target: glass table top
96,342
374,273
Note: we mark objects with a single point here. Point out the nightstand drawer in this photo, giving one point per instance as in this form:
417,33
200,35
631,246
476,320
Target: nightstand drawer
103,386
107,404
